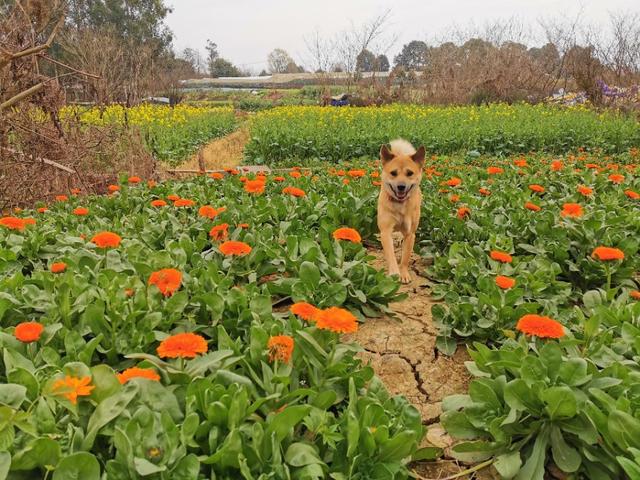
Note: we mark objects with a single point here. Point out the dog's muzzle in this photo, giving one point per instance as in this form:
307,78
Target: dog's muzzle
401,191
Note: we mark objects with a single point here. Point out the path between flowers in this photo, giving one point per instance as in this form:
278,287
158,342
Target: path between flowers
224,152
402,352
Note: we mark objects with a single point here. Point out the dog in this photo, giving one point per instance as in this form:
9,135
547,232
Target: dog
399,202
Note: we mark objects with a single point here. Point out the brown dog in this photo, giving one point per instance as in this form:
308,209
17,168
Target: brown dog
399,202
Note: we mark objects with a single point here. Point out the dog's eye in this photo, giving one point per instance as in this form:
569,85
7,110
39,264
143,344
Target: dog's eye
409,173
394,173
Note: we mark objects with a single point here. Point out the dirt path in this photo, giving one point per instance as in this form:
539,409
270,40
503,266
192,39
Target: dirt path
402,352
225,152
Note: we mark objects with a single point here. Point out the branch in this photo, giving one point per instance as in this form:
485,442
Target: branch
38,159
80,72
33,50
22,95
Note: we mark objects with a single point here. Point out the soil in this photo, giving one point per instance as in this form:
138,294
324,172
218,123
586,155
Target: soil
225,152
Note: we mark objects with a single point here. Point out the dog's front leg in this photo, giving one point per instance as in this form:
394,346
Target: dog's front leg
407,250
389,255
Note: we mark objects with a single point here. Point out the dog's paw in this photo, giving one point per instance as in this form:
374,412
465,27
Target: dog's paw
405,276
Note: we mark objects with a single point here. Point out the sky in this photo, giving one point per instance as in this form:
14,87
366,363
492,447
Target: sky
247,30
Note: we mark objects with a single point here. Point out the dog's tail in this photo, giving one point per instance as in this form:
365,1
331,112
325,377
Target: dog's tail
402,147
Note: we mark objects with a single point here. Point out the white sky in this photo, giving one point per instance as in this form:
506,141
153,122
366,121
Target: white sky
247,30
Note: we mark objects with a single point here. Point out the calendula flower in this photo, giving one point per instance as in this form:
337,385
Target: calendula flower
584,190
532,206
499,256
136,372
243,225
208,211
505,282
158,203
592,166
254,186
234,248
305,311
635,294
536,188
463,212
453,182
337,320
167,280
113,188
375,183
42,209
348,234
295,174
58,267
616,178
73,387
182,345
572,210
184,202
106,240
12,223
607,253
539,326
293,191
356,173
280,348
219,232
217,176
81,211
556,165
454,198
375,174
494,170
279,179
520,162
173,197
75,191
28,332
151,183
61,198
134,179
485,192
345,181
632,195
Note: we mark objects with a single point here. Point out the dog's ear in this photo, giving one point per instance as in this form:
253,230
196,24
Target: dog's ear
385,154
418,157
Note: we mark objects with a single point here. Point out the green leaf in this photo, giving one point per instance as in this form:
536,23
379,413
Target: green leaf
78,466
427,454
12,394
282,423
533,468
144,467
39,453
5,464
508,464
310,274
624,429
300,454
573,372
561,402
187,468
565,457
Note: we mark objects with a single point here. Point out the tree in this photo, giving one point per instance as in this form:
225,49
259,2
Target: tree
280,61
382,63
413,55
212,54
366,61
192,56
223,68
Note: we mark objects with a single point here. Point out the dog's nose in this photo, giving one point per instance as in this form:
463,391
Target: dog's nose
401,187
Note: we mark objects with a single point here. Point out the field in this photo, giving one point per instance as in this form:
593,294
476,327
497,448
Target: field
195,329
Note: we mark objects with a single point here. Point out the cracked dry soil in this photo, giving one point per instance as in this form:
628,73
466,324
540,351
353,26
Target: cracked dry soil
401,349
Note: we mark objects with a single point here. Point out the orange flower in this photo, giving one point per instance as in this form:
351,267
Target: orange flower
58,267
167,280
61,198
501,256
556,165
243,225
532,206
279,179
616,178
219,232
295,174
376,183
113,188
75,191
463,212
348,234
280,348
134,179
337,320
607,253
243,179
173,197
341,173
296,192
42,209
29,221
13,223
635,294
505,282
151,183
494,170
183,345
584,190
158,203
539,326
106,240
632,195
375,174
233,171
81,211
305,311
356,173
571,210
73,387
345,181
136,372
184,202
254,186
520,162
484,191
453,182
129,292
536,188
454,198
28,332
217,176
235,248
592,166
208,211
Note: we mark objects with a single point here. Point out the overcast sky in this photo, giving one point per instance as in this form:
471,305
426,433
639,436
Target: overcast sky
247,30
